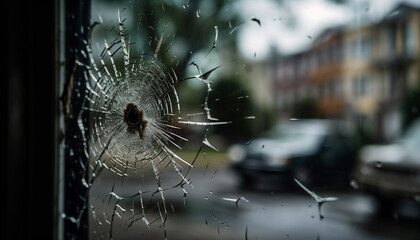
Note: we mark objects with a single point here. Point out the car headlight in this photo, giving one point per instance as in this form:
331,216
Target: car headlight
237,153
277,161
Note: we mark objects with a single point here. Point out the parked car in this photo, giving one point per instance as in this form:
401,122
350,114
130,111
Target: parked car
392,172
312,151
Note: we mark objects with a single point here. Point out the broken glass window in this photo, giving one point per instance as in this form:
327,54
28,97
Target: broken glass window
170,85
136,124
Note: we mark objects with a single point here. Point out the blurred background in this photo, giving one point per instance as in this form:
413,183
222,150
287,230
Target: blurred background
325,92
323,97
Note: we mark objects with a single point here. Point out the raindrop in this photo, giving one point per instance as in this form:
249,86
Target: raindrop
378,164
354,184
187,5
246,233
257,21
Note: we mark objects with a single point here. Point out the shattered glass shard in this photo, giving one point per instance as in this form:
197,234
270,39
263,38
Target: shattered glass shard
258,21
135,122
320,200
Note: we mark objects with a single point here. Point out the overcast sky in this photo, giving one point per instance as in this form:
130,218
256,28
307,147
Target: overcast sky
292,25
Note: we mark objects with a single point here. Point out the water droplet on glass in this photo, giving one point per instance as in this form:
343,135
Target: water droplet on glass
378,164
354,184
258,21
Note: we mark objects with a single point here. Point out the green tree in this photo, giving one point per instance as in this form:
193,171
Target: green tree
411,106
189,26
306,108
230,101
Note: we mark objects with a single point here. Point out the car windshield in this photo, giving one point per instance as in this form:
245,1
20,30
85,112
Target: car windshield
305,134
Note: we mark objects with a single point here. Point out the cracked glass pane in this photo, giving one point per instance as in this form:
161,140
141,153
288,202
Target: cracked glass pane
137,126
247,120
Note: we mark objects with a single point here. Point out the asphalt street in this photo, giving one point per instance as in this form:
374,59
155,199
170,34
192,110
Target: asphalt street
210,211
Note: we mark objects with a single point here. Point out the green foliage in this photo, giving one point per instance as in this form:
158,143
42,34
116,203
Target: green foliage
230,101
411,106
192,95
191,32
306,108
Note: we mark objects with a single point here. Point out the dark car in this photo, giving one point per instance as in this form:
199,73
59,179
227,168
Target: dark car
316,152
392,172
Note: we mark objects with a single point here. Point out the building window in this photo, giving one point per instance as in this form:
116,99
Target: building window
365,47
360,86
391,85
391,41
337,87
409,39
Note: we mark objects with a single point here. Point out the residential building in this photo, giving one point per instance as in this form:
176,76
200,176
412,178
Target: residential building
357,74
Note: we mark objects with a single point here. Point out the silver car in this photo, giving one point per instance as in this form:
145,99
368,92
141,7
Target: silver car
392,172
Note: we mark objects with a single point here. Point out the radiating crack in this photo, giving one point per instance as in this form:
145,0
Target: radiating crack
136,121
320,200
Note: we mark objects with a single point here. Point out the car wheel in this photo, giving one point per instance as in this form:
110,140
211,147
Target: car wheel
385,206
304,175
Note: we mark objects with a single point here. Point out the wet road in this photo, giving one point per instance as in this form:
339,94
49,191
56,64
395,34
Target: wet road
209,212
